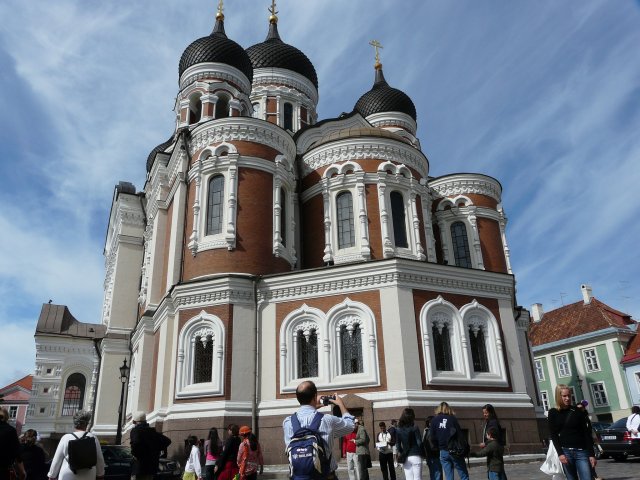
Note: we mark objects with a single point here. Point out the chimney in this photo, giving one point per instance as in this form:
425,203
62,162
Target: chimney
537,312
587,293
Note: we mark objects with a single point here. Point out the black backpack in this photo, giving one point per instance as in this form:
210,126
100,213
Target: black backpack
309,456
81,453
458,445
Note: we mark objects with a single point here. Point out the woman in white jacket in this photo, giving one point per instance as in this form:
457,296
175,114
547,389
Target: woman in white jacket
60,465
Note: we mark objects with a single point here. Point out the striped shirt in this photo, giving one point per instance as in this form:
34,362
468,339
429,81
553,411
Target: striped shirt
330,427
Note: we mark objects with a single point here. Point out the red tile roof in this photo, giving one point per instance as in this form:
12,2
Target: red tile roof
24,382
633,351
577,319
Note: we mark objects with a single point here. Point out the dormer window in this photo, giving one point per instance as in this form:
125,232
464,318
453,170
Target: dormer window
399,222
222,107
287,117
195,109
460,242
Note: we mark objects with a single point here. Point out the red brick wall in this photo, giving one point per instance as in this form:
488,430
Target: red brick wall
254,232
312,219
491,245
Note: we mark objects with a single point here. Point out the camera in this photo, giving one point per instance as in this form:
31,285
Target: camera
325,399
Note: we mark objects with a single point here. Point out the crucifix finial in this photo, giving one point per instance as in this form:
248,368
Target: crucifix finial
273,18
377,45
220,15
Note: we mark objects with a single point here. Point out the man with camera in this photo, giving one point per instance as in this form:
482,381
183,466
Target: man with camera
330,426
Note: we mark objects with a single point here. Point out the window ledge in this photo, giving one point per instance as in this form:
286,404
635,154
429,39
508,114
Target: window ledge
199,390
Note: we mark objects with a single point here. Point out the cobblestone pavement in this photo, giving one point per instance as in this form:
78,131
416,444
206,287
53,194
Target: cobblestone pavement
607,469
518,467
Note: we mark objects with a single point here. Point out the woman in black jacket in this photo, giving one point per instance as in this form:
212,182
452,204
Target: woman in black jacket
490,421
33,457
570,430
409,445
227,463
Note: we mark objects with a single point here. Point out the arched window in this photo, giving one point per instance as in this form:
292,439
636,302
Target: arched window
222,107
195,109
351,348
215,203
461,345
478,346
338,349
307,345
287,120
346,231
283,217
73,394
442,344
399,223
460,245
203,359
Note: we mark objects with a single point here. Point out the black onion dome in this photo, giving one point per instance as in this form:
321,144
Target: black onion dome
383,98
160,148
273,52
216,48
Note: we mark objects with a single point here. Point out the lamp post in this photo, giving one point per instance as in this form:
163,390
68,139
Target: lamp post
124,376
580,380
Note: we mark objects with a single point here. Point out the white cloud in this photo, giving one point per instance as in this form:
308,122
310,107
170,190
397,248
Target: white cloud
17,352
539,95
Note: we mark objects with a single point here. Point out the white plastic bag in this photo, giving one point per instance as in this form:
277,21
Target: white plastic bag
552,465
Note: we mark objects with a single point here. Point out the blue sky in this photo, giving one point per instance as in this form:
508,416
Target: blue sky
542,95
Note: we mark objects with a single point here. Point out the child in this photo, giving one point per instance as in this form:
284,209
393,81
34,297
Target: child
493,451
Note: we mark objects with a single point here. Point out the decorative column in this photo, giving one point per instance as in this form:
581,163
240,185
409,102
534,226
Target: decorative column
328,254
476,237
387,245
365,247
503,224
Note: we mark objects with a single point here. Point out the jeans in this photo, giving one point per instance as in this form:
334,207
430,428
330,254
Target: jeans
386,465
435,468
449,461
352,466
363,471
496,476
413,467
579,467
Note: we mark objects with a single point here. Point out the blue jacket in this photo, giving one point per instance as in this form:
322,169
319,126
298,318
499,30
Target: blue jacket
409,441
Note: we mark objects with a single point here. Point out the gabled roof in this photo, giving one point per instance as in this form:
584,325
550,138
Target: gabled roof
633,351
57,319
25,383
578,319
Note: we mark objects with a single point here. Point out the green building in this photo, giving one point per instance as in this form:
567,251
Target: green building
581,345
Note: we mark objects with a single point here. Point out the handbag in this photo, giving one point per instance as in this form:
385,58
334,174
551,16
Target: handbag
552,465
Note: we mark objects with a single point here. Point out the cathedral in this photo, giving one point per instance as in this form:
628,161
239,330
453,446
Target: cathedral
269,246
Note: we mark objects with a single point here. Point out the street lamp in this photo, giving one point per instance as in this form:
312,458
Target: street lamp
580,380
124,376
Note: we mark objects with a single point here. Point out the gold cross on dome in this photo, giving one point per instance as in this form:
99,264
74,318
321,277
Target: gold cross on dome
272,9
376,44
220,6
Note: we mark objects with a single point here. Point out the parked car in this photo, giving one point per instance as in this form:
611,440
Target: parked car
616,441
597,426
117,464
